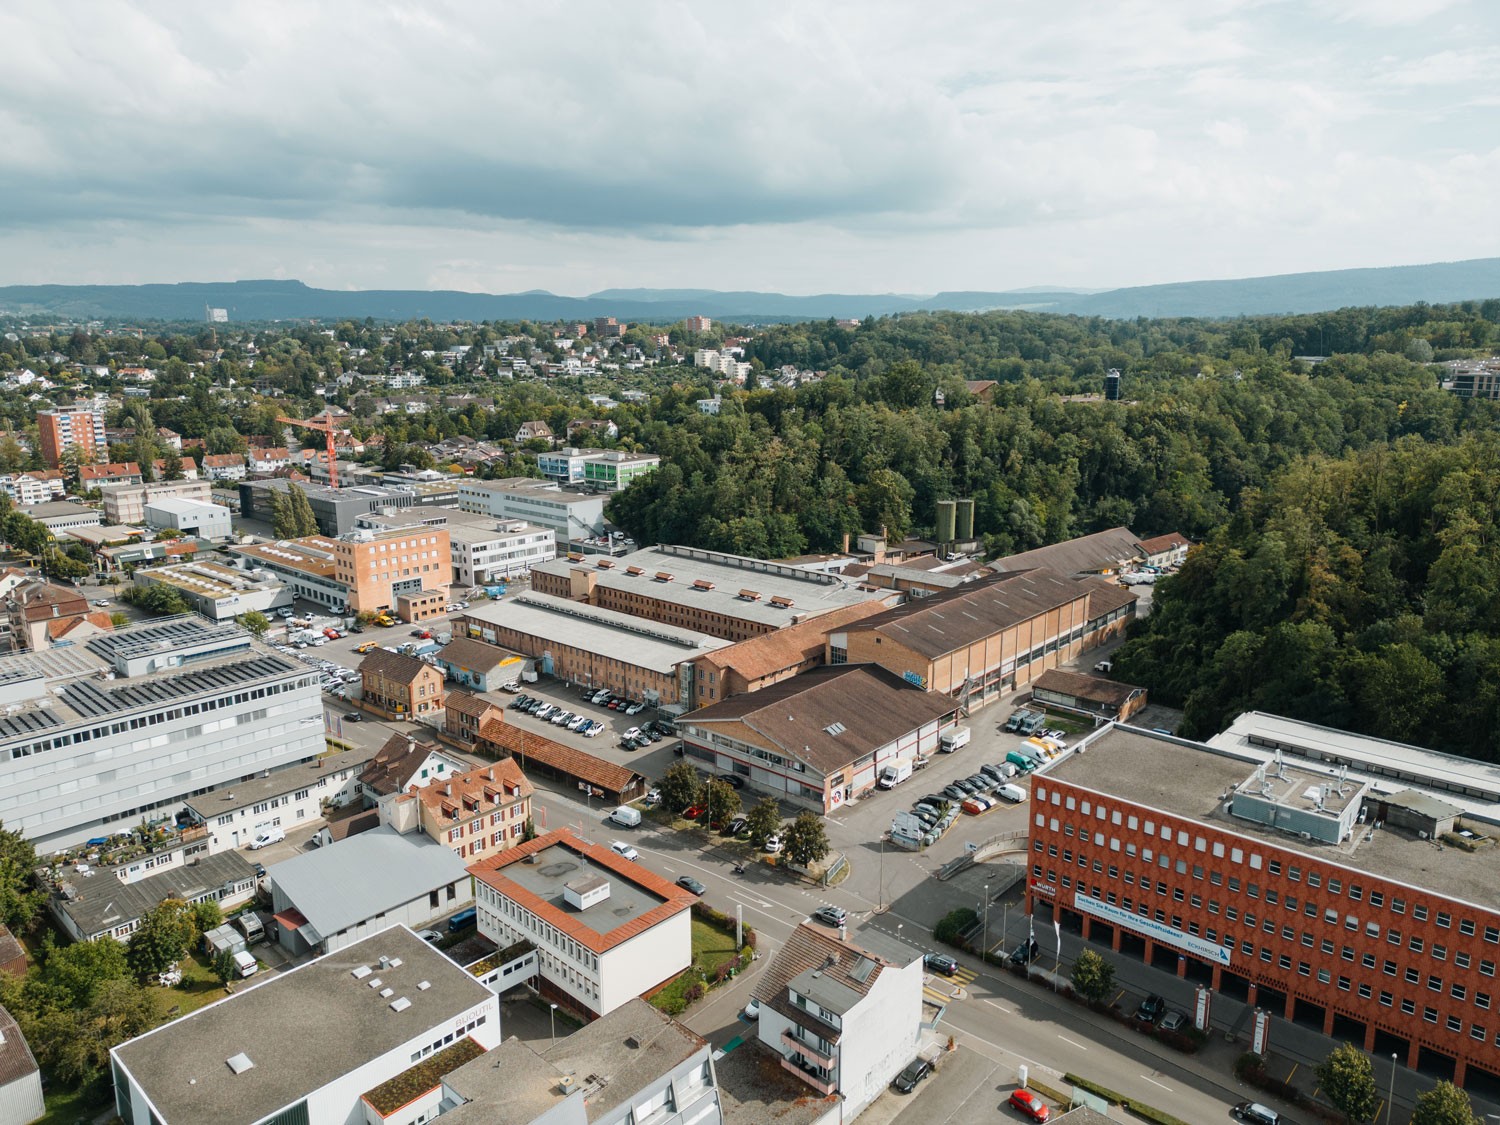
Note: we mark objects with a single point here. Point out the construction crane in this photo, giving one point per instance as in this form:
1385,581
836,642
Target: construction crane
325,427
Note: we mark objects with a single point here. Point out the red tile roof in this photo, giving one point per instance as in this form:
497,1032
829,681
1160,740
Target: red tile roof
576,763
491,872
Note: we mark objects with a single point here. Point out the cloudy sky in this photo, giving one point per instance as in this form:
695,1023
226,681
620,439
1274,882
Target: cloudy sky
872,146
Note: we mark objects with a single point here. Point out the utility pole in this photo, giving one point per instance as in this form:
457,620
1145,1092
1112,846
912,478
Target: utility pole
984,952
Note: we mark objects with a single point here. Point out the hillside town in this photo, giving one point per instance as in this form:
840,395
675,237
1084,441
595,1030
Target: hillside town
387,679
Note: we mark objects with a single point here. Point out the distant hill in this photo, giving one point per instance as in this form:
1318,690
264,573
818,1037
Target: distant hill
292,300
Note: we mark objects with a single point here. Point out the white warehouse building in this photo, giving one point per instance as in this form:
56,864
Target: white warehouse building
95,738
307,1045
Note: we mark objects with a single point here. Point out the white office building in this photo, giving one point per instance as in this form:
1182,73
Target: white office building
191,517
488,554
570,515
605,928
306,1045
96,737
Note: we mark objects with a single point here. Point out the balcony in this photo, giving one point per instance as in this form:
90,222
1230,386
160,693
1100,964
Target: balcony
827,1062
822,1085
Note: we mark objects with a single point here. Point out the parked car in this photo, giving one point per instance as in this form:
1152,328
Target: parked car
1256,1114
630,744
751,1011
653,797
940,963
693,812
1031,1105
578,722
773,844
735,826
955,793
1026,952
1105,666
915,1071
733,780
633,732
353,717
593,729
1151,1009
830,915
432,937
688,883
1173,1021
562,718
635,709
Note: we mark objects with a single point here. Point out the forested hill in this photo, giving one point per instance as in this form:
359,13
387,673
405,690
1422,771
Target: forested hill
254,301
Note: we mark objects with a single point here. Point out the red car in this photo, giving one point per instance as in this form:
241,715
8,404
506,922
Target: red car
1031,1105
693,812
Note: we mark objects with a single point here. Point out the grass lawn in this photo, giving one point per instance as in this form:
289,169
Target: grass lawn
65,1107
199,987
710,947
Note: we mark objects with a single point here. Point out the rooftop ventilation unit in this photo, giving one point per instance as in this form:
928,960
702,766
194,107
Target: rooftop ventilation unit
400,1004
702,584
663,576
781,602
360,973
423,986
240,1063
749,595
634,570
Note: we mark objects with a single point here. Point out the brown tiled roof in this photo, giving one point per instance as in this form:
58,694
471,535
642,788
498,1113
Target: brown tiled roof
467,703
485,787
1093,689
830,716
542,750
345,827
952,619
16,1060
1158,543
471,653
813,947
787,648
113,469
222,460
393,665
10,948
394,763
491,872
1105,596
1102,550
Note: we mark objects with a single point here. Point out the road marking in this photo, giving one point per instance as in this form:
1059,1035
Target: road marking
1075,1042
1002,1007
1154,1082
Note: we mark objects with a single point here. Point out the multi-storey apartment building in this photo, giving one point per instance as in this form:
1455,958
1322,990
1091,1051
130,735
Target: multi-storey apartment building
479,813
378,566
126,503
400,686
97,736
1339,895
78,427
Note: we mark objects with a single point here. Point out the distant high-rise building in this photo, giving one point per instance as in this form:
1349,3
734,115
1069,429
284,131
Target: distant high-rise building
699,323
78,427
606,326
217,316
1112,385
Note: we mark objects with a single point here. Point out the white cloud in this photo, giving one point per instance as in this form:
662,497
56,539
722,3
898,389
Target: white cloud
866,146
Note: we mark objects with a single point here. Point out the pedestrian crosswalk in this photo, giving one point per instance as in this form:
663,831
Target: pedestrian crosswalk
943,990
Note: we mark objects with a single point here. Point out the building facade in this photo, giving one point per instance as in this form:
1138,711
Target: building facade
1288,886
63,429
570,515
220,593
485,556
400,686
479,813
126,503
621,931
126,726
191,517
376,567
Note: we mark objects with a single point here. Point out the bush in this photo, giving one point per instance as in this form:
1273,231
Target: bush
953,925
693,994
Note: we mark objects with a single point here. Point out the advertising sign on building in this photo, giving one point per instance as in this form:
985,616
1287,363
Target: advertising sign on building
1202,1003
1147,927
1260,1036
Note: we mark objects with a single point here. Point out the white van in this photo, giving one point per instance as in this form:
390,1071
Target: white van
955,739
244,963
1013,793
266,835
894,774
626,816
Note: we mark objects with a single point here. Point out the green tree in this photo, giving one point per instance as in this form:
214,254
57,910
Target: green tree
171,468
20,898
161,940
75,972
1348,1080
283,517
207,915
59,564
254,622
224,967
74,1044
806,840
680,786
1093,977
157,598
723,801
763,819
1444,1104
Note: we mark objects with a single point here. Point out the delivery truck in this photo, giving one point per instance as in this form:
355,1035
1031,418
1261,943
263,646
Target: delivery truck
955,739
894,774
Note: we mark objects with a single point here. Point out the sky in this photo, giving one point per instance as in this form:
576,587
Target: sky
862,147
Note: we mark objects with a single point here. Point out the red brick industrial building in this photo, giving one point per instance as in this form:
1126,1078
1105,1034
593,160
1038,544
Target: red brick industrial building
1367,910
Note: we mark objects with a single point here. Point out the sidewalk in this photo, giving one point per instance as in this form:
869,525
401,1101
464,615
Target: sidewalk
1294,1054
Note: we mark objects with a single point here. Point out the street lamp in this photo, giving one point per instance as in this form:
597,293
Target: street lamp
882,874
554,1024
1390,1098
984,951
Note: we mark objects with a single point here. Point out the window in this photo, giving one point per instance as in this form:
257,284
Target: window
1419,913
1408,1007
1466,927
1444,919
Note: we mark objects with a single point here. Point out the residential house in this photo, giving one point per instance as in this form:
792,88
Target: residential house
844,1017
981,390
1166,550
92,903
116,472
224,466
405,762
400,686
12,954
269,460
41,615
189,469
478,814
464,713
34,488
531,431
233,813
606,929
592,428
